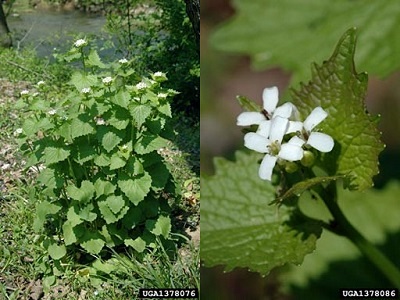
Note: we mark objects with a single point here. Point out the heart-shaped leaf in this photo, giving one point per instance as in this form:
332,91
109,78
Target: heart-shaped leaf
240,229
340,91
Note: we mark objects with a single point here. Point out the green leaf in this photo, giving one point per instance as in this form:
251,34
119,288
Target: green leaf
155,125
148,143
84,153
29,127
73,217
103,187
93,243
133,217
291,36
54,155
116,162
80,127
150,208
165,109
57,252
102,160
68,233
81,81
149,96
82,194
122,98
113,209
110,140
65,130
106,212
43,125
40,105
139,112
105,267
134,166
87,214
42,210
73,55
135,189
50,178
240,229
115,203
94,59
119,119
161,226
138,244
159,175
340,91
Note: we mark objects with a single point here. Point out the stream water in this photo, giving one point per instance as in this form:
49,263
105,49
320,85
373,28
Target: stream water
47,29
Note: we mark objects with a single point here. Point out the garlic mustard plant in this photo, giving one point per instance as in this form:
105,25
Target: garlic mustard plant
315,149
102,184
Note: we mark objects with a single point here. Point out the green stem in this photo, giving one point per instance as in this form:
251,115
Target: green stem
344,227
72,171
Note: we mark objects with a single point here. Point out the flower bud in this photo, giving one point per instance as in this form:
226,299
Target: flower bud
291,167
276,179
308,159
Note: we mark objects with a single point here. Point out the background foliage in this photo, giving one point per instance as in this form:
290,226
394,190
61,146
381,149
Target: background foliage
311,24
159,36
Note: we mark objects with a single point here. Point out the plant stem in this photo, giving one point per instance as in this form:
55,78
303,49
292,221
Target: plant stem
345,228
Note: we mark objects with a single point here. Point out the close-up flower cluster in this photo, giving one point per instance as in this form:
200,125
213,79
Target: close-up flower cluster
277,123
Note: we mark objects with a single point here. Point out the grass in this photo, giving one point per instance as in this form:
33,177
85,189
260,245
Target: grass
24,264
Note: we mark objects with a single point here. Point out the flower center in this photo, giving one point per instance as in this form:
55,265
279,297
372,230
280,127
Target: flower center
274,148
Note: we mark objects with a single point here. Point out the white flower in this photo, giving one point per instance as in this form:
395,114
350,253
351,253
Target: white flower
107,80
41,82
17,131
272,146
79,43
52,112
318,140
141,85
123,61
159,74
162,95
24,92
100,121
85,90
270,111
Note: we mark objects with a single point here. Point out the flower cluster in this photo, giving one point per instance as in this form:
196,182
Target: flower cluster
274,123
85,90
80,43
107,80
